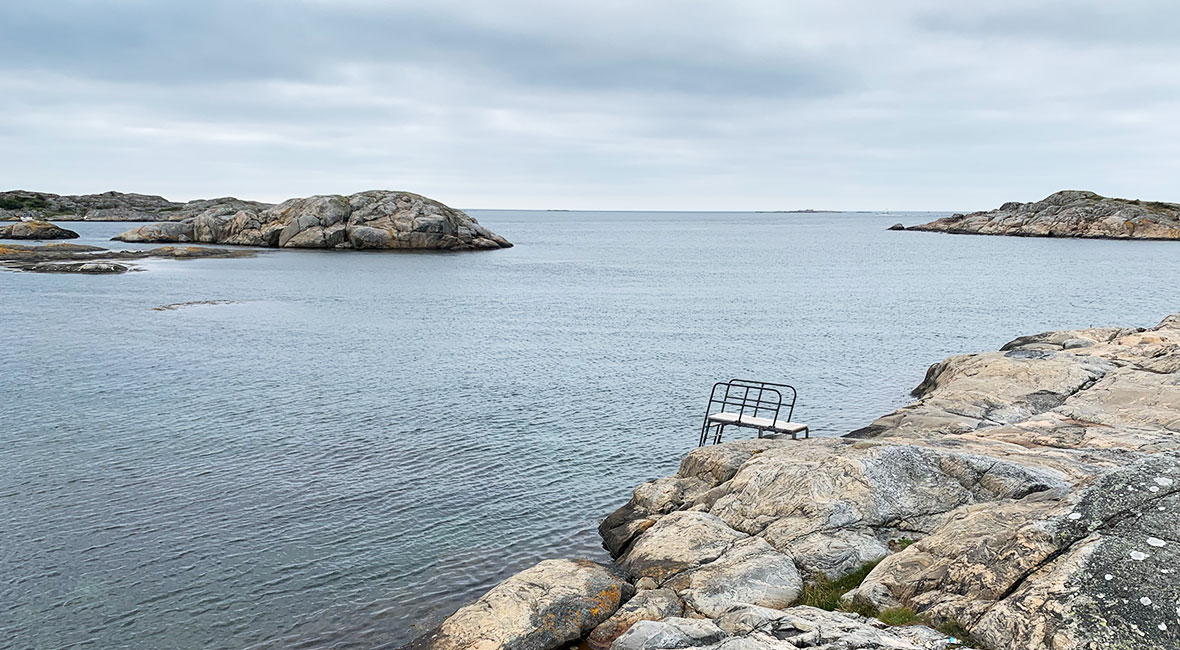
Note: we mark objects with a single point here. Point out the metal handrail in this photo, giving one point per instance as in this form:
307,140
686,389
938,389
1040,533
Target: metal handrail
794,393
767,397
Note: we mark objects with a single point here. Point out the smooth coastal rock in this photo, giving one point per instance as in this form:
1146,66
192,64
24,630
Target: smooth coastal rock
1070,213
35,230
86,268
368,220
647,605
747,627
547,606
1030,498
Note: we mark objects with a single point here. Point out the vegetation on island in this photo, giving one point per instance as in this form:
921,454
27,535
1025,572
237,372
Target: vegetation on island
23,202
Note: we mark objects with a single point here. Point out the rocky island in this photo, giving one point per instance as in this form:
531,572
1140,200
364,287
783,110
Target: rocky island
94,260
1070,213
107,206
36,230
1029,498
378,219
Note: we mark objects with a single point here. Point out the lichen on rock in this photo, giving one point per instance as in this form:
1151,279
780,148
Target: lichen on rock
36,230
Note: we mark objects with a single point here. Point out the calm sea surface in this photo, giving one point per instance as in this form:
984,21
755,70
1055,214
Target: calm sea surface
360,442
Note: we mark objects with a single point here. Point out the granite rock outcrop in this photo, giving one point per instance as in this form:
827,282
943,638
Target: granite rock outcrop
1029,498
36,230
1069,213
369,220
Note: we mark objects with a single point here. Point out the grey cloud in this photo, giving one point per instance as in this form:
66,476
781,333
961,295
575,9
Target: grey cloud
1126,23
662,104
173,43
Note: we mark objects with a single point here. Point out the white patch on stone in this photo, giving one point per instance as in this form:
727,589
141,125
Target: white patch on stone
1163,627
1138,556
1164,481
1153,488
1108,577
1075,515
1145,601
1155,541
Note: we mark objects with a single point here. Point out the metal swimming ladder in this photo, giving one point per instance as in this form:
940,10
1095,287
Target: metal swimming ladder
750,404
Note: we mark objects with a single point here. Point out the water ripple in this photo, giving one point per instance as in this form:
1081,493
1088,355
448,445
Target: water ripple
360,443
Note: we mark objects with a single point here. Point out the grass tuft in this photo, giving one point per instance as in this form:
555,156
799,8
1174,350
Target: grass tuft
901,544
825,594
898,616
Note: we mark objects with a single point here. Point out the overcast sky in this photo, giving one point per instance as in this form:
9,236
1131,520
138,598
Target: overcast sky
611,104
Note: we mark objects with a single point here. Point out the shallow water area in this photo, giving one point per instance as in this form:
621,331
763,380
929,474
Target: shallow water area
358,442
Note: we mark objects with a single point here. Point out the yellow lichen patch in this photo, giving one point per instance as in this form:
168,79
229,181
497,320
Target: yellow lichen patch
607,600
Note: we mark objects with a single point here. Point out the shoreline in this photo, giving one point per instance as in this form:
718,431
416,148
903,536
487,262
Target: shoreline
1010,474
921,228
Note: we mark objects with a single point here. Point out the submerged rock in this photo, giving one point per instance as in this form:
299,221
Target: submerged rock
1070,213
35,230
192,303
368,220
